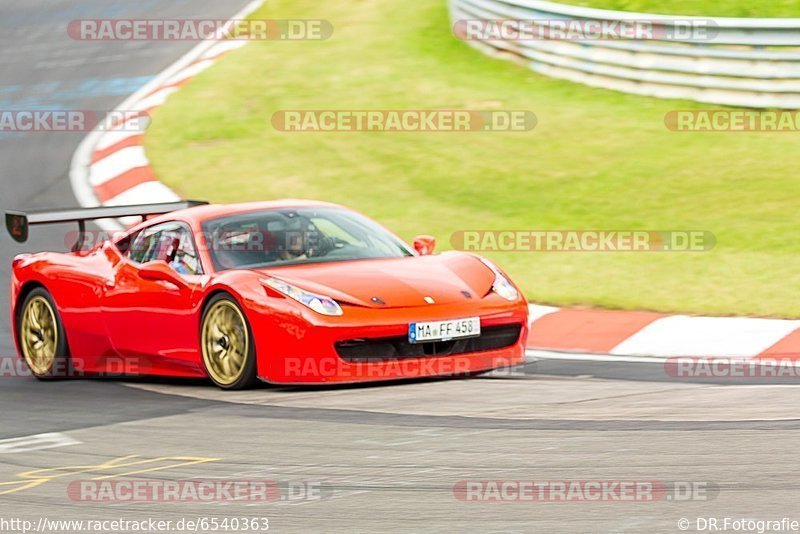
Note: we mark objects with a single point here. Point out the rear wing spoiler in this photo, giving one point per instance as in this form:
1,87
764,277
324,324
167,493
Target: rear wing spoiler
18,223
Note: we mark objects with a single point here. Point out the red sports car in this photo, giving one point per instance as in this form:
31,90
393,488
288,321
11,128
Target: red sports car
288,292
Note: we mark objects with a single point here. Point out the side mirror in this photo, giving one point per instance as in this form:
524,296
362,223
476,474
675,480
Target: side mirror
160,271
424,244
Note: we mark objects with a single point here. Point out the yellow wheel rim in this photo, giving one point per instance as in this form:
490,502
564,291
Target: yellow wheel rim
39,335
225,342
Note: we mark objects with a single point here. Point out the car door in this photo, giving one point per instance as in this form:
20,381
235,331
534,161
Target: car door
154,323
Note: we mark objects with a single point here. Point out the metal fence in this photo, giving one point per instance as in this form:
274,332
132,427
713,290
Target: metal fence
738,62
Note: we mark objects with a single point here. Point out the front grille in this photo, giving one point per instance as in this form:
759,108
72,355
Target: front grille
398,348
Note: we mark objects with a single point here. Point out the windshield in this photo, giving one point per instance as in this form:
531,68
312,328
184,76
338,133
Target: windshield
279,237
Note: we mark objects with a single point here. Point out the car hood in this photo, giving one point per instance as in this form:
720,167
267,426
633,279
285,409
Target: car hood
397,282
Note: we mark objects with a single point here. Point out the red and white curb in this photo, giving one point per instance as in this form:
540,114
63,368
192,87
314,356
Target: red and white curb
110,168
629,336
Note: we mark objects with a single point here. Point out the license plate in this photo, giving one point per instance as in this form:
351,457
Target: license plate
444,330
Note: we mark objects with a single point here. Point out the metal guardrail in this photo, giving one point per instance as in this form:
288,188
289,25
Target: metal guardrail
752,63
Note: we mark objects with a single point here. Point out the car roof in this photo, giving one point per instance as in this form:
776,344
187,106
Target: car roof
199,214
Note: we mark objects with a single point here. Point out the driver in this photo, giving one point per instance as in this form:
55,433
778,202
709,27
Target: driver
293,246
301,240
293,240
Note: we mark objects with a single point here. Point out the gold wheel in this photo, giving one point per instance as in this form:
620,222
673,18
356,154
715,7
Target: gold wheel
225,342
39,333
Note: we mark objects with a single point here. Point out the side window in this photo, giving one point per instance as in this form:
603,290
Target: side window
172,243
143,245
181,254
124,244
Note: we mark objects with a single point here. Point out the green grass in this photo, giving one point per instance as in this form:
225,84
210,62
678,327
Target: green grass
597,160
708,8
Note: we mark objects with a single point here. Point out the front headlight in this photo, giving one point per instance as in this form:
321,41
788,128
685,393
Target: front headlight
319,303
502,285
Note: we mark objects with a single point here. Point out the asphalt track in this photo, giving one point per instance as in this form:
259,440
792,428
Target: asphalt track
384,458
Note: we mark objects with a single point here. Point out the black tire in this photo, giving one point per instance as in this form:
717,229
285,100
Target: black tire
60,365
247,377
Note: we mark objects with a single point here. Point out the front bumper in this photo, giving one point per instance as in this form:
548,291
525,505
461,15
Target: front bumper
295,346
